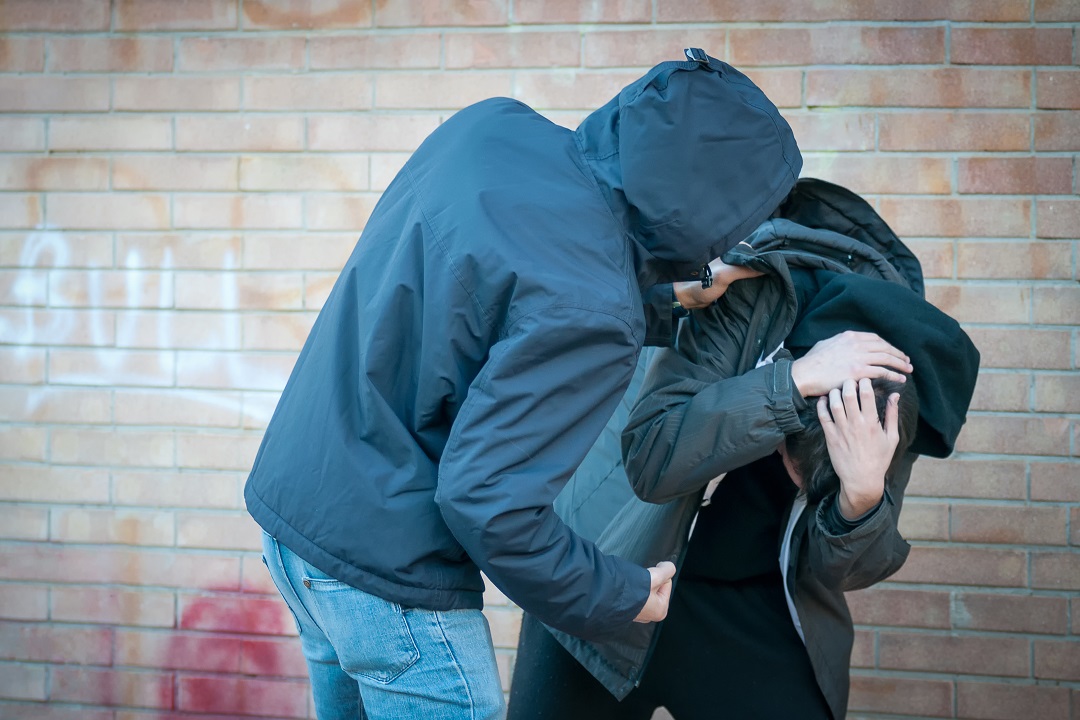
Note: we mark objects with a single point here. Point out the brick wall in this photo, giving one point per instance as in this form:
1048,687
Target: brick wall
180,182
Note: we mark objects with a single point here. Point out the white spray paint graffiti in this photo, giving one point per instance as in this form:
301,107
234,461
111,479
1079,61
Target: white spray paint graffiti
25,333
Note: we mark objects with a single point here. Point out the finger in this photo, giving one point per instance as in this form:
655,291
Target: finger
823,411
892,420
885,359
867,404
851,398
661,573
877,371
836,407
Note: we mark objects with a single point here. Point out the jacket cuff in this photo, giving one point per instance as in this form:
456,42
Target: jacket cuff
835,526
785,402
661,315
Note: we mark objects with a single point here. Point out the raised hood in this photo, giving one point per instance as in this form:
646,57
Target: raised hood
691,157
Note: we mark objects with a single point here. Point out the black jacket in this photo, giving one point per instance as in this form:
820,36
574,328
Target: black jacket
484,329
705,409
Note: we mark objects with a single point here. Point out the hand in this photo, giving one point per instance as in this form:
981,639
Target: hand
656,606
694,297
848,356
861,450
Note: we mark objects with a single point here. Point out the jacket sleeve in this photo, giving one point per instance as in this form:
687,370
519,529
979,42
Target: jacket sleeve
661,316
867,554
697,418
542,398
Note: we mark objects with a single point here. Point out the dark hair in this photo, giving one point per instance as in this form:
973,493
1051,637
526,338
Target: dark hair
809,454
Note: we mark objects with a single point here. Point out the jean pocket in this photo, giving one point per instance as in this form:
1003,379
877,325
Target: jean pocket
371,635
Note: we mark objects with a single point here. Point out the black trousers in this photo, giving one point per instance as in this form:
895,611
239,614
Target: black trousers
747,664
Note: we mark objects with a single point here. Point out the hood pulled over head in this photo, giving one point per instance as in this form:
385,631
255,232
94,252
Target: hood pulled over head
692,157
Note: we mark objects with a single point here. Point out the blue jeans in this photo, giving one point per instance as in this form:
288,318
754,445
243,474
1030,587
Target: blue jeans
372,659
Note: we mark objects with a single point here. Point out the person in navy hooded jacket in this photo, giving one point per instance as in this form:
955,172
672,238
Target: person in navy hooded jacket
473,347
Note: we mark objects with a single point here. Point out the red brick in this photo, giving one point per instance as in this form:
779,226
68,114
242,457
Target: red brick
52,485
174,172
939,131
172,15
1015,435
1021,348
53,94
39,711
55,249
783,87
1021,260
925,521
304,172
281,658
277,332
935,256
212,211
375,51
18,134
1015,176
961,217
248,371
645,48
57,327
998,701
361,132
1074,525
450,90
779,10
112,687
837,45
23,523
233,614
337,91
23,602
196,54
110,54
177,651
201,251
108,212
969,655
413,13
22,682
166,490
181,331
1055,481
59,15
106,565
286,252
510,50
177,407
1057,305
278,698
1056,11
34,172
568,11
32,642
939,87
982,303
1057,130
110,133
231,290
901,608
110,288
1057,660
1011,613
1057,393
25,444
22,54
339,212
1002,392
108,606
871,174
862,652
254,577
927,698
306,14
317,287
235,133
226,452
26,288
106,447
176,93
1011,46
120,527
21,364
1009,524
1055,571
218,531
1058,89
964,566
258,407
832,130
1058,218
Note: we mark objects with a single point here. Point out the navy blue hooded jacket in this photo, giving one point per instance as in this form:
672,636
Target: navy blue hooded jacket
486,326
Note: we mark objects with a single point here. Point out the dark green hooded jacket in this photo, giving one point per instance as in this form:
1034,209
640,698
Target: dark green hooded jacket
484,329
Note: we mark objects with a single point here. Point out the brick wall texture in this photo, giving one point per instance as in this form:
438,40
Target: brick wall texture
180,181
